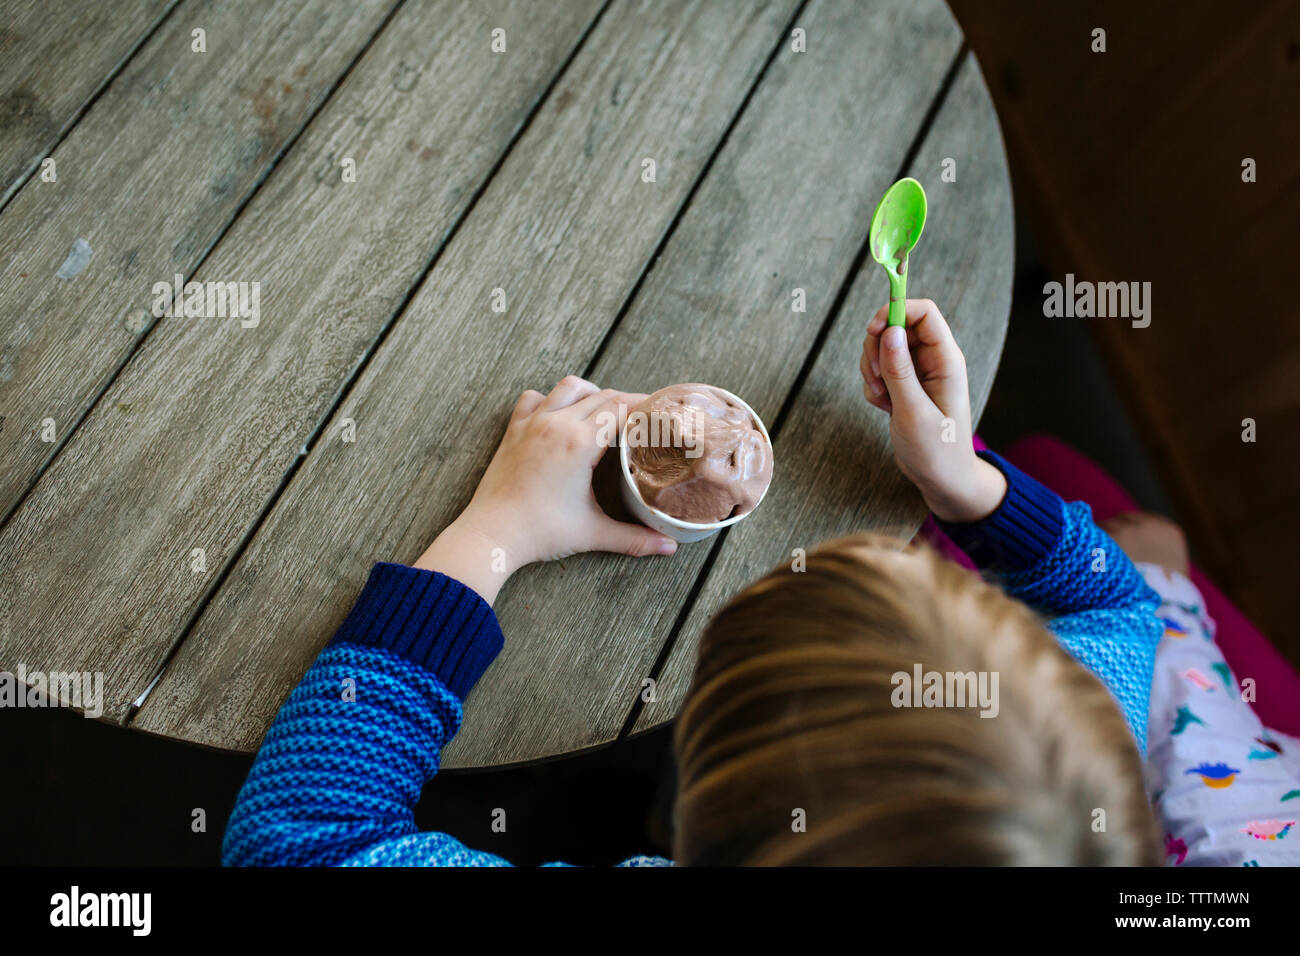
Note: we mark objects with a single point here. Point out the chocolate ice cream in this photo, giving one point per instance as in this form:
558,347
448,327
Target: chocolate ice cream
696,455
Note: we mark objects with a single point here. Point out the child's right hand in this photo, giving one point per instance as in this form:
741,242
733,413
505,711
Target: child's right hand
535,500
918,375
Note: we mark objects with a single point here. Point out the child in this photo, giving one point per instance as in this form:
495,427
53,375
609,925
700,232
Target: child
795,745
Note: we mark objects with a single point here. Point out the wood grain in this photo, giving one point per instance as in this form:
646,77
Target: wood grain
752,216
194,438
786,206
150,178
834,469
565,228
55,55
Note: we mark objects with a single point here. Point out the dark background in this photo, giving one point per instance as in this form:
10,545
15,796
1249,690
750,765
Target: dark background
1126,166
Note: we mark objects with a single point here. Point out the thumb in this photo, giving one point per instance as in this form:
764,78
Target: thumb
636,540
897,370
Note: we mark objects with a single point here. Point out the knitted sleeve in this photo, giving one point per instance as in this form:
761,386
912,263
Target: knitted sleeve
1052,556
342,767
1106,613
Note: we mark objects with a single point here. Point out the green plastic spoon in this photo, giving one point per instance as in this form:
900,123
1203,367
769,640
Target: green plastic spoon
895,228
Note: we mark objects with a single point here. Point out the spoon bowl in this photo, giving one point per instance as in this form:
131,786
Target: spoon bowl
895,229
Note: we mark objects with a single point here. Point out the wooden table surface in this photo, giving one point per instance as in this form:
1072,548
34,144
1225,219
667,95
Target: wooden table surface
183,509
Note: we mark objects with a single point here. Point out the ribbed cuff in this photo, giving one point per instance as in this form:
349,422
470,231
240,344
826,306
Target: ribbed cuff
1021,532
428,618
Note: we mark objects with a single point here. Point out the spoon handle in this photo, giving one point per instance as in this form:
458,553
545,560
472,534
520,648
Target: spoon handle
897,298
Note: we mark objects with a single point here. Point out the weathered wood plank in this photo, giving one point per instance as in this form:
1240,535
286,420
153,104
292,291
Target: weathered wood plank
785,208
569,669
565,226
195,436
565,229
55,55
834,469
149,180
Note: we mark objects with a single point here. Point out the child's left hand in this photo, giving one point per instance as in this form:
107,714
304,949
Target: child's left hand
928,402
535,501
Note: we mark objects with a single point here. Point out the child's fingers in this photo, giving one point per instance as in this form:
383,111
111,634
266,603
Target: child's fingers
526,405
881,402
877,323
925,325
567,391
927,322
636,540
936,358
898,372
603,400
873,386
606,413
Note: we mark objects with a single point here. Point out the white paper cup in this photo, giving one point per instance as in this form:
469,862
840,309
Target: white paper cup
683,532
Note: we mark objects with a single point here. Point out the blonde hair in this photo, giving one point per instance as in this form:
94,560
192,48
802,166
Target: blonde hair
793,711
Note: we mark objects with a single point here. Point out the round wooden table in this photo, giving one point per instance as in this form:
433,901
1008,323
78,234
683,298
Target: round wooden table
639,193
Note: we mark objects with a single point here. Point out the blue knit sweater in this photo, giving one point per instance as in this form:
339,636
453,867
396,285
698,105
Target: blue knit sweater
342,767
